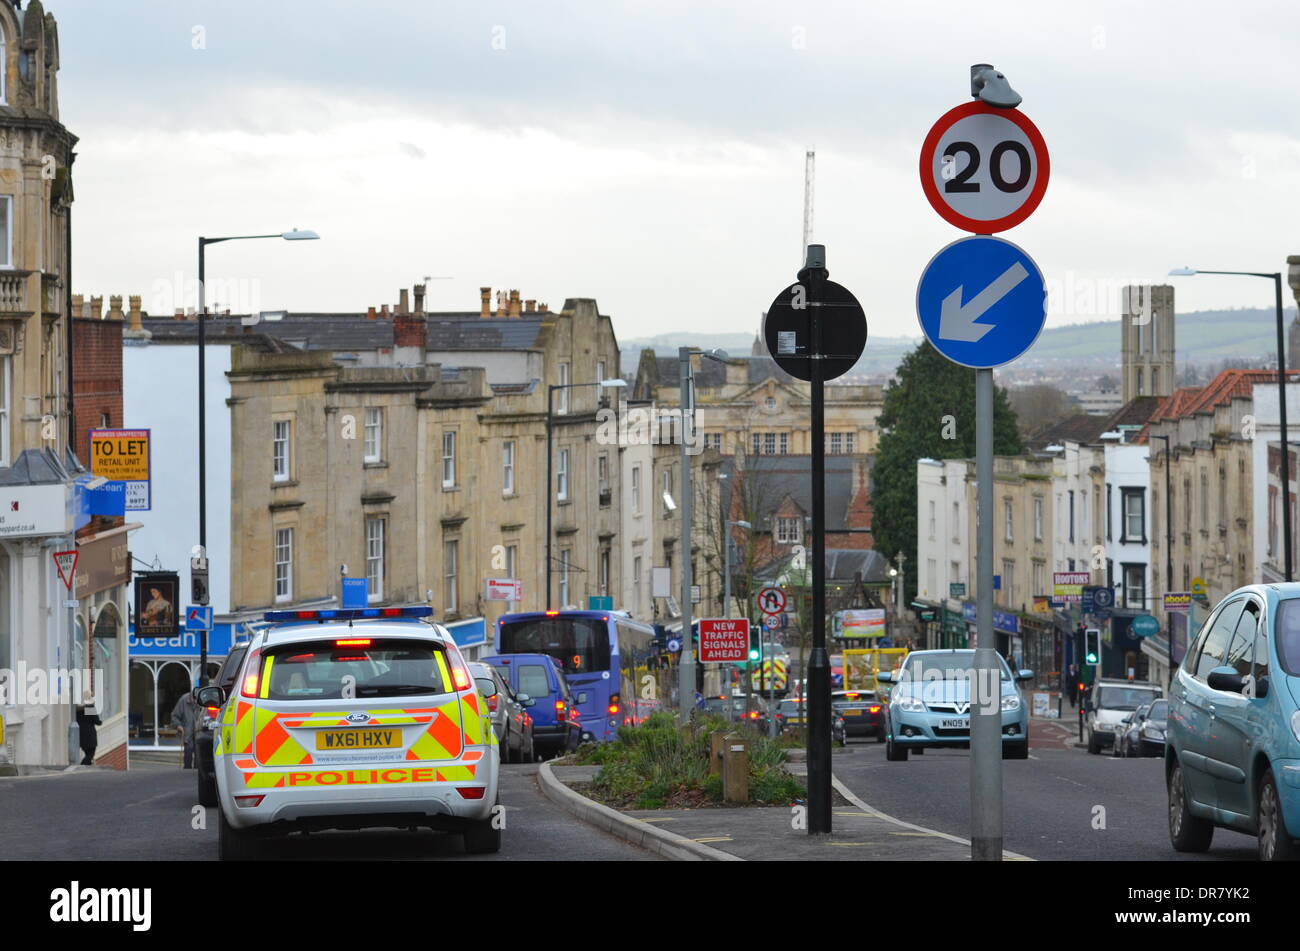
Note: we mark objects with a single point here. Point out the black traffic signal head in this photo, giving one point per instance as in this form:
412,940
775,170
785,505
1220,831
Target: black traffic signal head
198,587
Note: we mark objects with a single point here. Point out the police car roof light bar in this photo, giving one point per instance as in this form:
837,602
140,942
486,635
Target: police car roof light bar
348,614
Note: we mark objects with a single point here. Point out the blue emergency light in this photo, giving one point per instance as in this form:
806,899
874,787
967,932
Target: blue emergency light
349,614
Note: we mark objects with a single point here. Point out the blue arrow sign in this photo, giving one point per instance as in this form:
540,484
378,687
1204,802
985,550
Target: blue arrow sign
981,302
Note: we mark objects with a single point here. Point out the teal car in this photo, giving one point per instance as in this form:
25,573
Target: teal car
1232,756
929,705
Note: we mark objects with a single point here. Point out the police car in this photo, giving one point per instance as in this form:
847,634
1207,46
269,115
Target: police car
350,719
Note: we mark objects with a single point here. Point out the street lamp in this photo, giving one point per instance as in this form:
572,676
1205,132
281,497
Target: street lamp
550,476
686,384
1276,278
294,235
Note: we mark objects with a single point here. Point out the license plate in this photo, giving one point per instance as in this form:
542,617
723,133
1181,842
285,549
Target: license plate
955,724
851,713
359,739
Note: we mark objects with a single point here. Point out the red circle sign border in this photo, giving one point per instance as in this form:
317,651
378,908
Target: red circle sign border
779,610
974,225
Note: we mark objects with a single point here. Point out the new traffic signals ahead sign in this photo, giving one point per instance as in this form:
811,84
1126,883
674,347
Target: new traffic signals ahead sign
984,169
981,302
724,640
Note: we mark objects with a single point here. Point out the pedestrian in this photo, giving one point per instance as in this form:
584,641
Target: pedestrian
87,720
185,717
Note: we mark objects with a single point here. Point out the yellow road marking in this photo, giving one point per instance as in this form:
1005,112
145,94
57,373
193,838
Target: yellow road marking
658,818
923,835
713,838
848,843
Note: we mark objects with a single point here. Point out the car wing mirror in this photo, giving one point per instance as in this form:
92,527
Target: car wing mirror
209,696
885,677
1224,678
1024,674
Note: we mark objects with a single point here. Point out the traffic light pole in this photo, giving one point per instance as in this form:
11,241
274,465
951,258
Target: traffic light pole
986,686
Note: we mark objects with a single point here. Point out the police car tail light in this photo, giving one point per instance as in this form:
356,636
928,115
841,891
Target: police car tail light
471,792
353,642
249,802
254,668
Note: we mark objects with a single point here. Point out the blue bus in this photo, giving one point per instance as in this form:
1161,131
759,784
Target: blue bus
613,664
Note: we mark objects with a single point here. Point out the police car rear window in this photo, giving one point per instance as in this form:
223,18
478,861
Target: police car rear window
336,669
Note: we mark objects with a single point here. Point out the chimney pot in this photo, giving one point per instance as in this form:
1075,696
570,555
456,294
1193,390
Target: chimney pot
180,314
77,305
370,314
419,299
134,315
530,307
501,303
115,307
485,301
383,311
403,301
97,307
514,303
543,309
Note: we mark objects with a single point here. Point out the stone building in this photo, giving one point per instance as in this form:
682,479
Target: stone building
1147,341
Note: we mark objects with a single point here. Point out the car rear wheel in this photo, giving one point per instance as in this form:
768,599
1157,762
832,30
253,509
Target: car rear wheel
1187,833
1275,843
483,836
895,753
235,845
207,789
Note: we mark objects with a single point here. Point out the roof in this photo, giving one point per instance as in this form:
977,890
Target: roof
1136,412
842,564
35,467
1230,385
1081,428
344,332
780,476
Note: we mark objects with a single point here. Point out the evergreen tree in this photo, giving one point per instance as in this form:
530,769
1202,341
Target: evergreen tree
929,412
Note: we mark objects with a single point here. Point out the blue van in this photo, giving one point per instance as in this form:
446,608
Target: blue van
557,726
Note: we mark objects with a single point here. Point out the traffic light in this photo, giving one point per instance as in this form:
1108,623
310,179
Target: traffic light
198,579
1092,646
755,642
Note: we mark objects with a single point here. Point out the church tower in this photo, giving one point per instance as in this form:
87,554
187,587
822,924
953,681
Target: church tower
1147,335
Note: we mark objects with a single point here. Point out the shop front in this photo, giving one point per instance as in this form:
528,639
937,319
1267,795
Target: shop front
1042,650
101,580
163,669
1006,631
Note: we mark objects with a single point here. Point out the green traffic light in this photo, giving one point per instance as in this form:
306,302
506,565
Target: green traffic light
753,655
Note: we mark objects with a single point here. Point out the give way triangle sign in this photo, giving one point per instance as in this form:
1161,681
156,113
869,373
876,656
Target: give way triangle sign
66,562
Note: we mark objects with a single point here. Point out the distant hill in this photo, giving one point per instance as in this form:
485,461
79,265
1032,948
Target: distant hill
1205,336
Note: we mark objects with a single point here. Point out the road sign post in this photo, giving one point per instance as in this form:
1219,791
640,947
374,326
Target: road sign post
981,303
816,330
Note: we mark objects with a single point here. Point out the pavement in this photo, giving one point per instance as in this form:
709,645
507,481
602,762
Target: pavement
759,833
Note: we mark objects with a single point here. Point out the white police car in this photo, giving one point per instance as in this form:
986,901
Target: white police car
350,719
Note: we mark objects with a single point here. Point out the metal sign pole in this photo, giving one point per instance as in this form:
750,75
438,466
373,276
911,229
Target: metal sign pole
819,666
986,689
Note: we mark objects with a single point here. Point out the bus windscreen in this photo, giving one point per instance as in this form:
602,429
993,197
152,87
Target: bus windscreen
579,644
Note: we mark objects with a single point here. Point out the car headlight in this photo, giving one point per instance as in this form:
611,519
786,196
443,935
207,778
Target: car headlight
909,705
1011,702
1154,732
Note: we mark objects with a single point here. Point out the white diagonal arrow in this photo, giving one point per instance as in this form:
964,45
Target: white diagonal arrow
957,320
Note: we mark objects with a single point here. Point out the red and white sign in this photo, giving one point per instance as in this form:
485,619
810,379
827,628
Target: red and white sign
66,562
984,169
503,589
724,640
771,601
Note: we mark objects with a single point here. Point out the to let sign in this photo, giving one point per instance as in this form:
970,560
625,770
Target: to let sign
724,640
122,455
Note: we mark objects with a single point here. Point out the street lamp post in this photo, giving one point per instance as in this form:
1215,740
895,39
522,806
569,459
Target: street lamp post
1276,278
550,474
294,235
1169,550
727,525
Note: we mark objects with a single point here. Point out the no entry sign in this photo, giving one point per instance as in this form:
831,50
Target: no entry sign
984,169
724,640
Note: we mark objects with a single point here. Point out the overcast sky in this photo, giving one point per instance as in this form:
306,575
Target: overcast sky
650,154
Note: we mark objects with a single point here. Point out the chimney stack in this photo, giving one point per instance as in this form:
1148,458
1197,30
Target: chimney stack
530,307
115,308
485,301
514,303
370,314
77,305
403,301
134,314
419,300
97,308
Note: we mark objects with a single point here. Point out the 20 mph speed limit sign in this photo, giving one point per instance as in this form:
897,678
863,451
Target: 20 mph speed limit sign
984,169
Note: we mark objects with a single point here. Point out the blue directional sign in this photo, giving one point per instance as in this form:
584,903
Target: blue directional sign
981,302
356,592
198,617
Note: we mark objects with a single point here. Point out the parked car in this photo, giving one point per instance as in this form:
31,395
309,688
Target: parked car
929,704
1232,757
538,681
206,770
1143,731
1109,703
511,721
863,712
